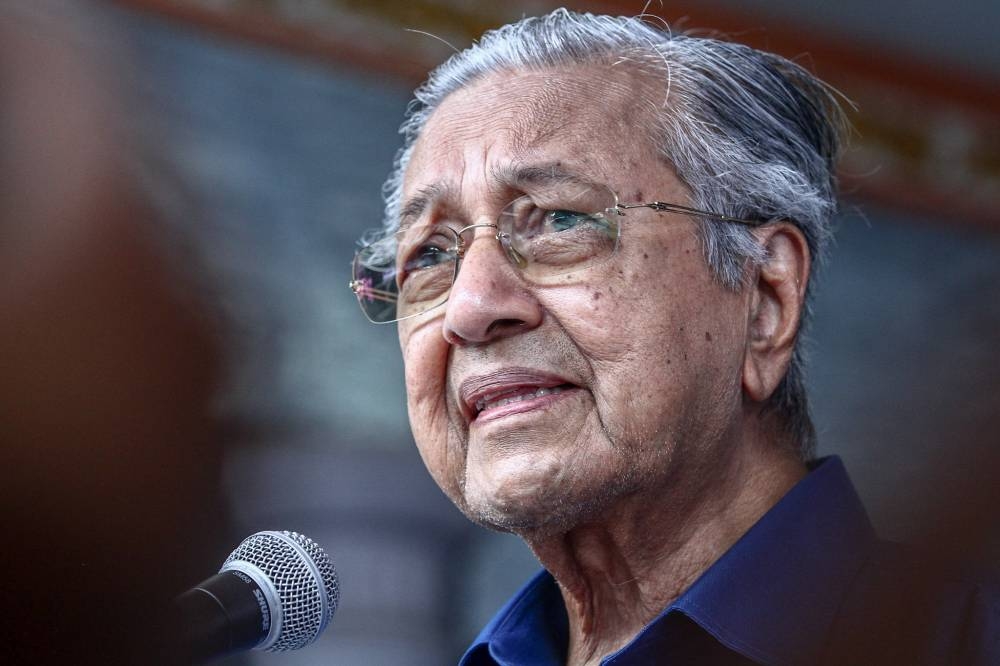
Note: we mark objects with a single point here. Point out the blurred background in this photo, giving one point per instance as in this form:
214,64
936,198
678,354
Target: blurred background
182,363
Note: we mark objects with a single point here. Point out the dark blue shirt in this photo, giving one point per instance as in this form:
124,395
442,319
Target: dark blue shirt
810,583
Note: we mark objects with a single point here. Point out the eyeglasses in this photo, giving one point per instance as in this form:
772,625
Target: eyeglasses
544,236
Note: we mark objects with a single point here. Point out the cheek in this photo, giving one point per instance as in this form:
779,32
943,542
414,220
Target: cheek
425,358
658,332
611,320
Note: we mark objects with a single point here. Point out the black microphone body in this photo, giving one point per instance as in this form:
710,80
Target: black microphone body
224,614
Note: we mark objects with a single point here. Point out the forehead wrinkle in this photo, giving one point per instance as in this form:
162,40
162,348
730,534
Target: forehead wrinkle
455,130
542,122
542,110
560,102
550,111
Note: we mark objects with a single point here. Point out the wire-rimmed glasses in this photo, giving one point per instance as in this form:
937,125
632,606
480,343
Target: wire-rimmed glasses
544,236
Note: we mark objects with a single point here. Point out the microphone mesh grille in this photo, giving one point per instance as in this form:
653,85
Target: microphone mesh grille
304,615
327,573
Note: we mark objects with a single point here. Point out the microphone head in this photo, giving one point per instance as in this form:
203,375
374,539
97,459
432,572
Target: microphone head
297,578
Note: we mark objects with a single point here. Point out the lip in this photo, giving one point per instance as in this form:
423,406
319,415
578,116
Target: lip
493,386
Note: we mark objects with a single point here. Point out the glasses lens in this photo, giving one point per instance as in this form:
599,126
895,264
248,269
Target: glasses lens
550,233
413,279
557,232
425,259
375,286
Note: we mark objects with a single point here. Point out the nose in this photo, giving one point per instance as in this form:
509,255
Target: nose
488,300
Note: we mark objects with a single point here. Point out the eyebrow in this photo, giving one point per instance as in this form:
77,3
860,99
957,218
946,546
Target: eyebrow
509,176
419,202
544,174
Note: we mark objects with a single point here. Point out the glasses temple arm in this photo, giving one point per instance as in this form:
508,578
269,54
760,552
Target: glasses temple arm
677,208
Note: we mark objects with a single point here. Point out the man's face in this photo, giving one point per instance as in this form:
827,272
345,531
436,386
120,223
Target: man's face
538,407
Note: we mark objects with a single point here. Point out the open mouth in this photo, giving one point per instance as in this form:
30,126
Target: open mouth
509,390
516,399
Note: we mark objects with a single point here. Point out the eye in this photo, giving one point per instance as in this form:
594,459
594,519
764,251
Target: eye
426,256
563,220
530,221
434,251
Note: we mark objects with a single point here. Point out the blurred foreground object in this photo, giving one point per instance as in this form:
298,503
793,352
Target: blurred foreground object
106,368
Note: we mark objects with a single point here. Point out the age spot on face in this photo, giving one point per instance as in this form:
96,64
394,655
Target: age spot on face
708,336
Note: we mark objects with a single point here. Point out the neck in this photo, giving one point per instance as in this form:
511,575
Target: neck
620,570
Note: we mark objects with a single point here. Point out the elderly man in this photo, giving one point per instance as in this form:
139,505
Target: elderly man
599,243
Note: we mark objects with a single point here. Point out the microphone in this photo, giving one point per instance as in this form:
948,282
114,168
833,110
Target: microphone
277,591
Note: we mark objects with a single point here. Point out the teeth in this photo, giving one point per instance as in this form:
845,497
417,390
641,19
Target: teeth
487,404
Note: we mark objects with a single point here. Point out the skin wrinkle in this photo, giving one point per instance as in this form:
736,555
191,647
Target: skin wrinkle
528,349
577,478
542,123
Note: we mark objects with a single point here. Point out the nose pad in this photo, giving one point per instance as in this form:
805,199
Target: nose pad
480,255
513,255
473,233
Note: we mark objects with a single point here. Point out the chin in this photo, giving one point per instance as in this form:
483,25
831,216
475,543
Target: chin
541,510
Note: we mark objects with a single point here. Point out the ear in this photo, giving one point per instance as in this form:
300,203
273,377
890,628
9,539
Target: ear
775,308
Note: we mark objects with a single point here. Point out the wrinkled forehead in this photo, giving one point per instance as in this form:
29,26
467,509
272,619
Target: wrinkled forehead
596,120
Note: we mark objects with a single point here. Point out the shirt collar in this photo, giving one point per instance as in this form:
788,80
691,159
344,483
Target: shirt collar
771,597
774,595
531,629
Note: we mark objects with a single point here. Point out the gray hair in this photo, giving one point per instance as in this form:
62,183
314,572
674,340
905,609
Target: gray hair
751,134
